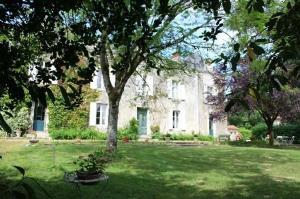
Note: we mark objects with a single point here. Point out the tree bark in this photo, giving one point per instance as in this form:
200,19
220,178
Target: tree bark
112,127
270,133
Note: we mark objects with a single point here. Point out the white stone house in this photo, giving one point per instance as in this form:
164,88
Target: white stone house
177,104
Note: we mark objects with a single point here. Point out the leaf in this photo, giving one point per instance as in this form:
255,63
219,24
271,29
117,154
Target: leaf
252,92
50,94
73,88
271,23
29,190
258,50
65,95
236,47
234,61
226,6
4,125
20,169
229,105
251,53
261,40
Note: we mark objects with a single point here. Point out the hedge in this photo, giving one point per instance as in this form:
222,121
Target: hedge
260,131
69,134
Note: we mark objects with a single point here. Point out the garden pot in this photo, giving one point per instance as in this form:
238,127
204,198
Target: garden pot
87,178
33,141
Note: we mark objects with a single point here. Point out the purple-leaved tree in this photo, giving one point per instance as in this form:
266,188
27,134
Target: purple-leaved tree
249,88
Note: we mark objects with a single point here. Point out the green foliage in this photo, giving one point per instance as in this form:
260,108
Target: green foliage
93,163
259,131
183,137
60,117
69,134
77,118
205,138
246,133
19,120
24,188
186,137
130,131
155,132
245,119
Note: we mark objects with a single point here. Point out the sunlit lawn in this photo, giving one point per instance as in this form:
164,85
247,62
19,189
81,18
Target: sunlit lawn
161,171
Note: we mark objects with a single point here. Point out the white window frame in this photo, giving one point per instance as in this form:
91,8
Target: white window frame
175,89
101,114
99,82
175,119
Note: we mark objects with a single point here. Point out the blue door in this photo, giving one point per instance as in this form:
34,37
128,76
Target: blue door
142,119
39,115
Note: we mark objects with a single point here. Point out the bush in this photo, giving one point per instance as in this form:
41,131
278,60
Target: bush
205,138
259,131
19,120
69,134
165,136
187,137
155,132
130,132
246,133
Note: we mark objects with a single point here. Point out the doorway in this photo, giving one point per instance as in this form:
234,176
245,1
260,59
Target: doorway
142,120
39,118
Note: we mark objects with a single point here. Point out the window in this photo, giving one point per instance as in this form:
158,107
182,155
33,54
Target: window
101,113
175,119
100,83
174,89
140,86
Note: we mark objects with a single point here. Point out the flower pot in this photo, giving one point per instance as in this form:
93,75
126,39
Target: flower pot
33,141
88,178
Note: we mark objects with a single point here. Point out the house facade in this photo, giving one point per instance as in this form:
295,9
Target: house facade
174,102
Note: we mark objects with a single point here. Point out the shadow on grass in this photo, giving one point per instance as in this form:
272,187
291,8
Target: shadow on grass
144,186
155,171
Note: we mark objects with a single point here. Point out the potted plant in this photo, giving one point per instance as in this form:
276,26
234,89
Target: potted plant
33,140
91,168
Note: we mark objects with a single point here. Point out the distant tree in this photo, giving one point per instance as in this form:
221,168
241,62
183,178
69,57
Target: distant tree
248,88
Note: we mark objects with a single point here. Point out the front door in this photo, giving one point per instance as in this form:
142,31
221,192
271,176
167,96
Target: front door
142,119
211,129
39,115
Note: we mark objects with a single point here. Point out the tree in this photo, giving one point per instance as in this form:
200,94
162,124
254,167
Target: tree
249,88
33,36
125,35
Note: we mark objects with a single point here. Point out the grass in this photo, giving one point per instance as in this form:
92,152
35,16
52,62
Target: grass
161,171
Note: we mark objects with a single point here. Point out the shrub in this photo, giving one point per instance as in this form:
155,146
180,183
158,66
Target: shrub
182,137
69,134
131,131
155,132
246,133
19,120
205,138
156,135
166,136
259,131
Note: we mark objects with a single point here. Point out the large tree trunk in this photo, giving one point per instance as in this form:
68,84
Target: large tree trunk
270,133
112,128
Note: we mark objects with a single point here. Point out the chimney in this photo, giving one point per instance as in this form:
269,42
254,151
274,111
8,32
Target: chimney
176,56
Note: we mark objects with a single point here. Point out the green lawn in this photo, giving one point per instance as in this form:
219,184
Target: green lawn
160,171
